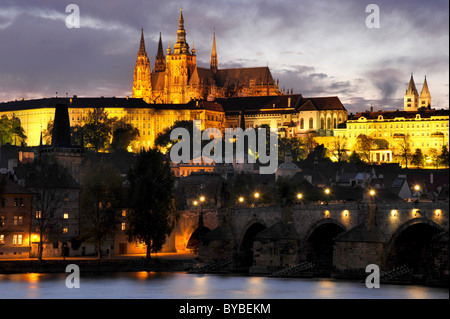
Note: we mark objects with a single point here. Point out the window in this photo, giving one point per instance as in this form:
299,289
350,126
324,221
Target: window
66,197
2,239
66,216
38,214
17,239
65,230
123,226
311,122
18,220
124,213
301,124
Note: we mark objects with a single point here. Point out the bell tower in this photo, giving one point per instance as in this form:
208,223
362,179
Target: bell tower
180,65
142,81
411,99
425,96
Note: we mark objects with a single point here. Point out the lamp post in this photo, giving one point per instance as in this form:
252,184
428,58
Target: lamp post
417,192
256,195
372,194
327,193
299,197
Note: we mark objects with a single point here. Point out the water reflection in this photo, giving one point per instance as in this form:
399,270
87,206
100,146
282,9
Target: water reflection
182,285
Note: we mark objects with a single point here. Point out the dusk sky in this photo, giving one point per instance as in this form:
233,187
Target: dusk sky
318,48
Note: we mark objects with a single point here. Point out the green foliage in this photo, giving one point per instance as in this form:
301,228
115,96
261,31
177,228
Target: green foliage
443,157
151,200
292,145
163,140
417,158
98,129
101,199
11,131
124,135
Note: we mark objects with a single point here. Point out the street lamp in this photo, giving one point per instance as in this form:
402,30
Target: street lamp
256,195
241,199
417,193
299,196
327,193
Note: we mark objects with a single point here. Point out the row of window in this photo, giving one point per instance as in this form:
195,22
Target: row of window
18,202
17,239
380,126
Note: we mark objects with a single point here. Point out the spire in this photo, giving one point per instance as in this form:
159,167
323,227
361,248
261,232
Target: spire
181,46
411,87
425,96
160,60
214,64
142,45
425,92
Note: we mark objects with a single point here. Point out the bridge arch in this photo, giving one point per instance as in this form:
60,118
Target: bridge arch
410,245
318,244
196,236
245,245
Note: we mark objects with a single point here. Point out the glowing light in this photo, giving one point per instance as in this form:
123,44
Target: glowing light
394,213
256,195
437,212
415,212
417,188
241,199
299,196
202,198
195,203
327,213
346,213
372,192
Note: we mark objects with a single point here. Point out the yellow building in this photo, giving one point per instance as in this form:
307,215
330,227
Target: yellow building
414,127
176,78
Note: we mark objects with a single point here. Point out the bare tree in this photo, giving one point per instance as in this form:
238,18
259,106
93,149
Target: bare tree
404,146
339,149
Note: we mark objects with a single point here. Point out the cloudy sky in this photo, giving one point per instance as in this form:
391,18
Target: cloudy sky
315,47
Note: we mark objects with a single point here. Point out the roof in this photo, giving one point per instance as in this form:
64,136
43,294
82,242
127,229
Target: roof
388,115
280,230
258,103
360,233
243,76
74,102
11,187
321,104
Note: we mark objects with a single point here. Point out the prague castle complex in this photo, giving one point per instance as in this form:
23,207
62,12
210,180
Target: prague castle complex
175,88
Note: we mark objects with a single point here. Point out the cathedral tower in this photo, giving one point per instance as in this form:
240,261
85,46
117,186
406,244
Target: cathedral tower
425,96
142,81
214,64
180,66
160,60
411,99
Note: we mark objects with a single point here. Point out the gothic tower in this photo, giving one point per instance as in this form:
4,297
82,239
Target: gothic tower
160,60
142,82
179,67
214,64
411,99
425,96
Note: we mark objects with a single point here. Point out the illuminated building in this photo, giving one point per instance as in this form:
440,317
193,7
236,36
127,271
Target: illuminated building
414,127
177,79
15,220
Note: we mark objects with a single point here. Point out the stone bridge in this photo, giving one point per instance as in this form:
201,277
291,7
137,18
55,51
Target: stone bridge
339,236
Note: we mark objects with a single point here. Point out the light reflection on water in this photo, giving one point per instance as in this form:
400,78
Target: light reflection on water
165,285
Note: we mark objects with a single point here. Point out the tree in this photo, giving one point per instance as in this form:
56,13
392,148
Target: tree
124,134
433,156
417,158
98,129
363,146
76,134
443,157
101,199
11,131
292,145
46,178
354,158
163,141
403,145
151,199
339,149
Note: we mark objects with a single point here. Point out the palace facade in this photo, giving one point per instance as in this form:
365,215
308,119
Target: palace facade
176,78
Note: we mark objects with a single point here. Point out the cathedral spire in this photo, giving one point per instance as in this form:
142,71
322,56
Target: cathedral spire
411,98
411,87
160,60
214,64
181,46
142,45
425,96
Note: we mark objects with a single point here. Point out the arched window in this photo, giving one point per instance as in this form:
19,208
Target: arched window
322,123
328,123
302,124
311,123
334,123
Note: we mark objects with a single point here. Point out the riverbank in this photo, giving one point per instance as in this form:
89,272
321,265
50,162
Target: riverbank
125,264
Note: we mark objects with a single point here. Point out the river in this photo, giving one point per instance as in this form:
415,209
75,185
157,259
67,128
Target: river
181,285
